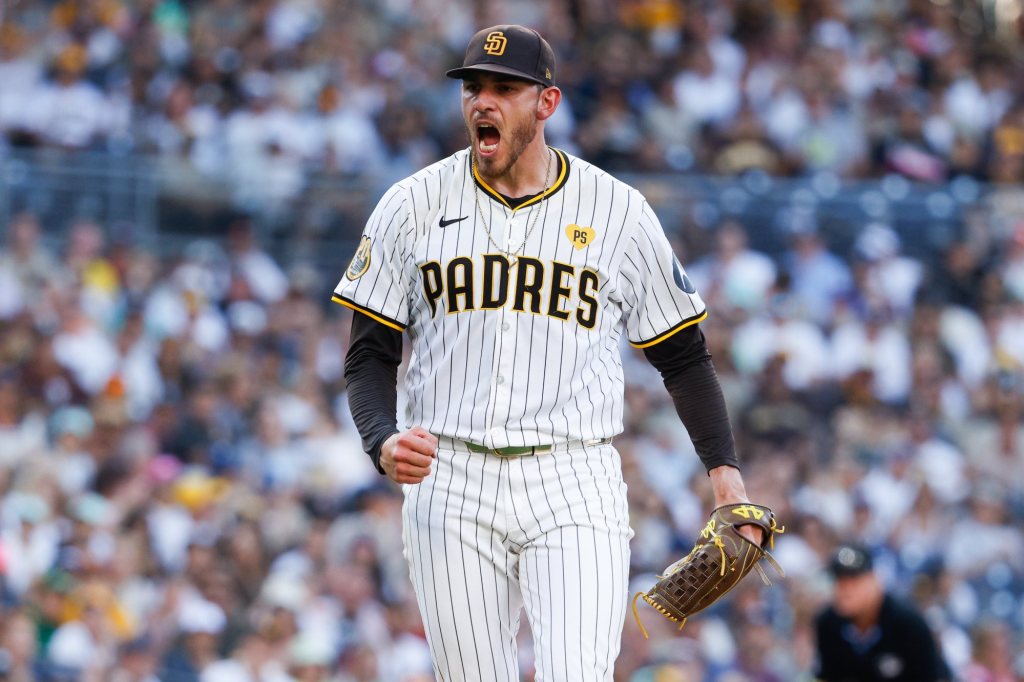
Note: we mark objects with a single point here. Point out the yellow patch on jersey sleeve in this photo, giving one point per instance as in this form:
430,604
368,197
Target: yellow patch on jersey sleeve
361,261
580,236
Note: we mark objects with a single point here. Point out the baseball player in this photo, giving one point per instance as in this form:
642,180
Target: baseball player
515,268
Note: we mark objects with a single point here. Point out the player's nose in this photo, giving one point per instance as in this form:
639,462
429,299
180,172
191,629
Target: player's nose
484,100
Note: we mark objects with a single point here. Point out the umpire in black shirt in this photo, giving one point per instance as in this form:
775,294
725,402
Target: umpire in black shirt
867,635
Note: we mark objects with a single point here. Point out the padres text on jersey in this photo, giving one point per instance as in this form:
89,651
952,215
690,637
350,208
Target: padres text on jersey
559,290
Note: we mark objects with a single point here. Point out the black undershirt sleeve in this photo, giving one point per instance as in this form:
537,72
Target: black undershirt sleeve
685,365
371,374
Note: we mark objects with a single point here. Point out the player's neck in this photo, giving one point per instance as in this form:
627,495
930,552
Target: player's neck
528,175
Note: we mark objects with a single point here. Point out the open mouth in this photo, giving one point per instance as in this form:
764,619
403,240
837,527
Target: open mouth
487,137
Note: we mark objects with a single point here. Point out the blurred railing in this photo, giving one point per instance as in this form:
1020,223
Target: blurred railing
162,203
122,193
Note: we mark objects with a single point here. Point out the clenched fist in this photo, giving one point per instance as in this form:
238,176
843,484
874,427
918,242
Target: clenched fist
406,456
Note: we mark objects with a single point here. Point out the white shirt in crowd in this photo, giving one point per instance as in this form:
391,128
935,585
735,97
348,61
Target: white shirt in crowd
882,349
73,115
21,79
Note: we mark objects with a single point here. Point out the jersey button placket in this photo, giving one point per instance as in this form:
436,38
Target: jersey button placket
501,379
503,351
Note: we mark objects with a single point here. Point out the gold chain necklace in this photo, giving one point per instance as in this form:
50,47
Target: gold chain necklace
537,211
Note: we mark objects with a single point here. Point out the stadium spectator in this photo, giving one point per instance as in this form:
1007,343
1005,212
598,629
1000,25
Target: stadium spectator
734,274
991,654
817,277
70,112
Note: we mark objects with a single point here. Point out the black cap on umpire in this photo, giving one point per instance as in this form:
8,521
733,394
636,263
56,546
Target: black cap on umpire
850,559
512,50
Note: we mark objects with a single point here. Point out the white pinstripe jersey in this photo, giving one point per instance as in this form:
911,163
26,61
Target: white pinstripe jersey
518,351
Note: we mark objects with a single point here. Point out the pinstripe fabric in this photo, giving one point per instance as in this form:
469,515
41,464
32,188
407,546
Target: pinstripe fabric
486,536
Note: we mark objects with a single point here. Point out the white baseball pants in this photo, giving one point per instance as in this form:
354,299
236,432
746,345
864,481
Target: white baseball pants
487,535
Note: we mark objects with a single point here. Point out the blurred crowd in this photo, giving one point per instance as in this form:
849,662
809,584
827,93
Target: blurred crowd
262,94
184,496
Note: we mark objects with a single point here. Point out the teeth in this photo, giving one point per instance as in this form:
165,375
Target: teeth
487,147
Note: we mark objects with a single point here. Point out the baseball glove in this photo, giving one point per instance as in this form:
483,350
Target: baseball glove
719,560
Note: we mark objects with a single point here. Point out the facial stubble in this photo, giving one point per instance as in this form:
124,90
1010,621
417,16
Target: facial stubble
520,138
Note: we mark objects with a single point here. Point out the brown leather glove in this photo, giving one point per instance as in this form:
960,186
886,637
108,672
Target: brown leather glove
719,560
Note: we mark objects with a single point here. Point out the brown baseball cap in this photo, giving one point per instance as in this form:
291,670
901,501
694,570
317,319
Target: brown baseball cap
512,50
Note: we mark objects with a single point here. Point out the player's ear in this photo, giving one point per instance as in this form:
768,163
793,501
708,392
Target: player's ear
548,102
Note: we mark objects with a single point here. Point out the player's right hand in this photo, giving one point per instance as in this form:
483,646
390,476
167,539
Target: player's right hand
406,456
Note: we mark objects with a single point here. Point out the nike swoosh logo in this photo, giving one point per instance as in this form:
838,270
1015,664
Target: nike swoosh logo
446,223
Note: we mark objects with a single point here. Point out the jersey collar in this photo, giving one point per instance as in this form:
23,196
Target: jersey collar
563,176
